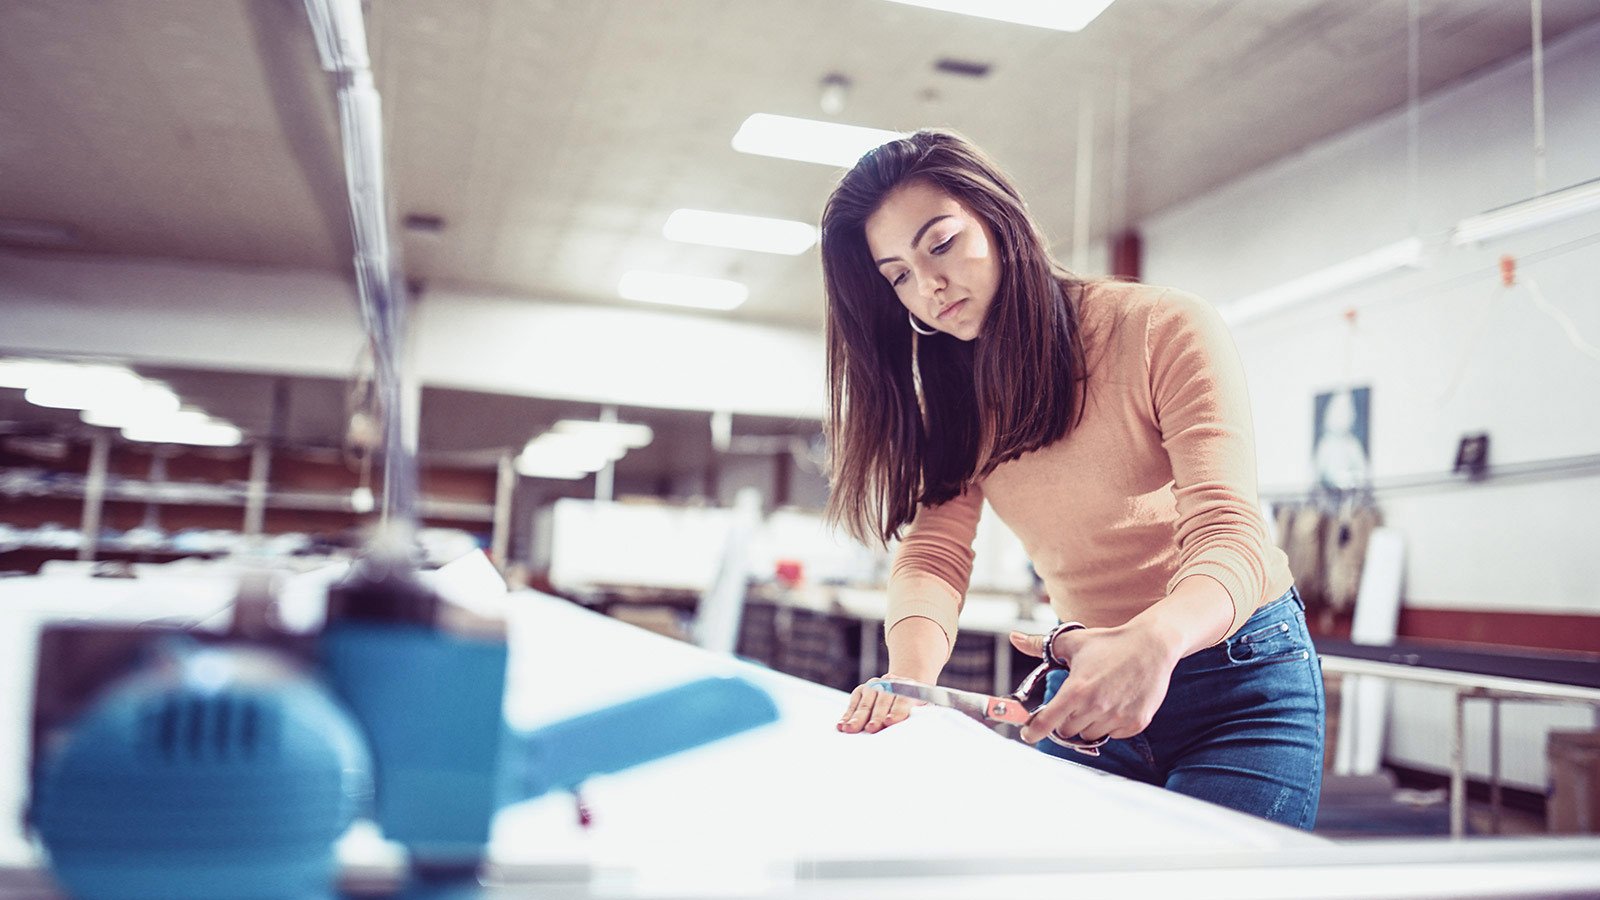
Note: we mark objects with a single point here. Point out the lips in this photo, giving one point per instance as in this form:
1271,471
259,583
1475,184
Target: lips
948,310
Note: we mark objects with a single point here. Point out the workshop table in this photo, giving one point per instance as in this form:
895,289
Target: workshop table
935,807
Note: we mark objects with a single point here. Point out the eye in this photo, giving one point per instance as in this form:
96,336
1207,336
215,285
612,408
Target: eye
897,280
943,246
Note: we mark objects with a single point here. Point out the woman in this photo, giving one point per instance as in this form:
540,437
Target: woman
1108,425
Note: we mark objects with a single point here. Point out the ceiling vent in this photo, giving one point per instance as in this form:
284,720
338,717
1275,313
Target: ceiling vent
966,68
424,223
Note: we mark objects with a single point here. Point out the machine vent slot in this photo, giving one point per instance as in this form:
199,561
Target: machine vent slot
249,727
188,728
199,721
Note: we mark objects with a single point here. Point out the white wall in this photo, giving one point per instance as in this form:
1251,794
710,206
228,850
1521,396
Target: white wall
1512,547
1446,350
279,320
187,314
615,355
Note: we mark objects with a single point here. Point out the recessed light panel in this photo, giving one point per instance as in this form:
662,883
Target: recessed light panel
698,226
808,140
1056,15
683,290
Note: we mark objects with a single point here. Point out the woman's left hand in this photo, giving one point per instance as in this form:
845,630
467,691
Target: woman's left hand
1119,678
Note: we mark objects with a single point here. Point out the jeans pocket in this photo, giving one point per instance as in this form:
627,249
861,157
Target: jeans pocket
1274,641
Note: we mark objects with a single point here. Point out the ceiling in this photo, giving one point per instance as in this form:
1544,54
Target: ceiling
553,138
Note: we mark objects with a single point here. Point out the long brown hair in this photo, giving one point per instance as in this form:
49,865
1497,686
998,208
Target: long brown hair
912,419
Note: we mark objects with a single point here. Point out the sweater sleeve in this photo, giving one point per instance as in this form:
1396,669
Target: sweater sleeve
1202,408
933,563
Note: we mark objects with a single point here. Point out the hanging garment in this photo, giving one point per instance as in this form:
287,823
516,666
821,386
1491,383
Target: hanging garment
1303,544
1345,551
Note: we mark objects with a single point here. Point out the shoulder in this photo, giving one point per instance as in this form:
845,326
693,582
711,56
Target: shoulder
1115,314
1159,316
1163,303
1151,304
1173,315
1108,297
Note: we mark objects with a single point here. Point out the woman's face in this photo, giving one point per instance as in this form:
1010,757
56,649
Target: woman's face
938,256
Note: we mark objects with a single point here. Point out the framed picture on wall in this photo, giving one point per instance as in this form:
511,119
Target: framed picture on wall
1341,440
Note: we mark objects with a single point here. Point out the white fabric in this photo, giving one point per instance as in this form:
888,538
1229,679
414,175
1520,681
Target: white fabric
935,787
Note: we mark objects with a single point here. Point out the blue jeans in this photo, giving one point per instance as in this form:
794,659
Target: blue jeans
1241,725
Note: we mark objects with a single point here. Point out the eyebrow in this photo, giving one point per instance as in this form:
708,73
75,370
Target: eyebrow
920,232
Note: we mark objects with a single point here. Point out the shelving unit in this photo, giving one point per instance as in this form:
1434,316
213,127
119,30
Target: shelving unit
256,492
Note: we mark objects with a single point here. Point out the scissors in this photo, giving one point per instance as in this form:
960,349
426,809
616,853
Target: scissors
1005,715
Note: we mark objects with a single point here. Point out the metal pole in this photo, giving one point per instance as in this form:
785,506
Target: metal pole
1084,183
1494,765
1002,665
1344,752
505,485
1119,149
255,502
1458,769
94,496
1538,100
156,489
342,46
605,479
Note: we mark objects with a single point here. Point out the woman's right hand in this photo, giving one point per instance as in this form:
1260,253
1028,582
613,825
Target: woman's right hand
872,710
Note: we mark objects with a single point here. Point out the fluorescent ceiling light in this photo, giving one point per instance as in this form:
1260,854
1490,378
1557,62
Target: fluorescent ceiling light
209,434
534,468
697,226
683,290
1404,254
25,373
151,402
1058,15
574,448
185,427
620,434
808,140
80,387
552,455
587,448
1538,211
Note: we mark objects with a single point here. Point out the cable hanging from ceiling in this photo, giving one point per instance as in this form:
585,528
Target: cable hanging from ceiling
342,48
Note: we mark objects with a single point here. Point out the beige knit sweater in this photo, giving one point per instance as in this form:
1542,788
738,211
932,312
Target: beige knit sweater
1157,483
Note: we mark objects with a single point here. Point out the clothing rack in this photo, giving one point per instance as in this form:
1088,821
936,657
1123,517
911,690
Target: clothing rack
1507,473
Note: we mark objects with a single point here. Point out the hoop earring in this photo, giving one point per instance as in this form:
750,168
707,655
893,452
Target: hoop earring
913,319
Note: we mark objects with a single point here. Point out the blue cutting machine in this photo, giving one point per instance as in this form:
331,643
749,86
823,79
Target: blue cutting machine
227,769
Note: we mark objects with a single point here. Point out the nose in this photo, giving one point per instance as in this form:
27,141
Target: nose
930,284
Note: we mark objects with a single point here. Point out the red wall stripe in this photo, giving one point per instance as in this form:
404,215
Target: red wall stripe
1535,630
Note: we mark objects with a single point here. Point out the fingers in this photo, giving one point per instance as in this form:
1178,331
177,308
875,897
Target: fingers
1070,714
1031,644
853,711
872,710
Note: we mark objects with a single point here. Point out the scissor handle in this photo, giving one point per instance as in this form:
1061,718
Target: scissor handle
1050,656
1076,742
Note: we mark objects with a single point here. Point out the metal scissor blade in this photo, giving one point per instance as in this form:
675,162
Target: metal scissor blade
1004,715
982,707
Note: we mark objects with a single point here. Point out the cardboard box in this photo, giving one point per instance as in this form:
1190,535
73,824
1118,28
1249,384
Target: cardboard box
1573,806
